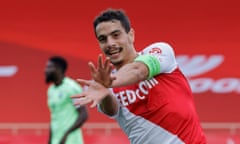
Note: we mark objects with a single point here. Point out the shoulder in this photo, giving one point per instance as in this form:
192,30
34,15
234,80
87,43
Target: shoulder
69,80
50,89
72,84
165,55
158,47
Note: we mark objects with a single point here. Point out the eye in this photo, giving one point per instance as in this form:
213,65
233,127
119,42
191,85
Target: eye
102,39
116,34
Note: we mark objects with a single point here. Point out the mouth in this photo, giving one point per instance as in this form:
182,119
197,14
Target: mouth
111,52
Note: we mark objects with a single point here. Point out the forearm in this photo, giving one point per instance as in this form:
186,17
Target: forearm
130,74
82,118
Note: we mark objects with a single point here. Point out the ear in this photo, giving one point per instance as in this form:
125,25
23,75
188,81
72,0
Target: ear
131,34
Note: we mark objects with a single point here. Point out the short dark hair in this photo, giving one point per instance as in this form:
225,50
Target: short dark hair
60,62
113,14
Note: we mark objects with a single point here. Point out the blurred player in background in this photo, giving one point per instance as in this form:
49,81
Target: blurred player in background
66,119
150,97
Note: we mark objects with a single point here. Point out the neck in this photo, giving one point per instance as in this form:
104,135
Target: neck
59,80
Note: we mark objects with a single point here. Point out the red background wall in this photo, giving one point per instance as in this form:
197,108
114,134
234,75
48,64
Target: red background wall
31,31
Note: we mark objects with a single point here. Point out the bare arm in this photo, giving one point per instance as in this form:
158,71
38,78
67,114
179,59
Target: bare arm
130,74
109,105
82,118
50,135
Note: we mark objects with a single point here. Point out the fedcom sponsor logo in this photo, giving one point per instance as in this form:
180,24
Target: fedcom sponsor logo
127,97
193,66
8,71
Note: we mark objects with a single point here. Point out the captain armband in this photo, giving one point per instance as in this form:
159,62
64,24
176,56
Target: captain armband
152,64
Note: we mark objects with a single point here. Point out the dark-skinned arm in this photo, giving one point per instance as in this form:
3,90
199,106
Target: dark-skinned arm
82,118
50,135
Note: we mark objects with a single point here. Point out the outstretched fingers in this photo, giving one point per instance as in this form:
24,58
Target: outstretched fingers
104,64
82,101
83,82
81,95
94,104
108,65
100,61
92,67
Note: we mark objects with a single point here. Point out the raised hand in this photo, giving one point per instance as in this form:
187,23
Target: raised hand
102,73
95,93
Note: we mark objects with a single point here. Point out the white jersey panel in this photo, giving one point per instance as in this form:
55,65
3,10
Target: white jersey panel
142,131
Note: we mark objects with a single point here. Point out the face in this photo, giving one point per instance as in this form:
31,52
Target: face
115,42
50,72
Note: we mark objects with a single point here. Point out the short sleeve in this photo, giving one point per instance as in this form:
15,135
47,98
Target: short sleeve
165,55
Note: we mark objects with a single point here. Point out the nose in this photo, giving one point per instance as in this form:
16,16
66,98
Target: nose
111,42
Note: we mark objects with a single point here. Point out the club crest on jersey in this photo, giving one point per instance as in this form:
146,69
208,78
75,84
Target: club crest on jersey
155,51
127,97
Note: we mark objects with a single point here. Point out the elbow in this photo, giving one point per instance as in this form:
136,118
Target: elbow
109,111
141,76
85,116
109,106
141,72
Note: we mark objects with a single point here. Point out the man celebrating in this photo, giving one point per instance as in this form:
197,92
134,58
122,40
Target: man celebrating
147,94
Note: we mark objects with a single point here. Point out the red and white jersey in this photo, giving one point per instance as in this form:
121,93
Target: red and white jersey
159,110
